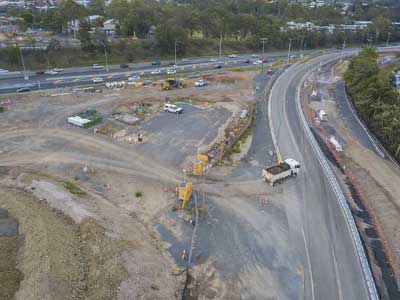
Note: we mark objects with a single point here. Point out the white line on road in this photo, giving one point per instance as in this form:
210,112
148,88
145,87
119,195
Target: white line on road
339,284
309,264
369,280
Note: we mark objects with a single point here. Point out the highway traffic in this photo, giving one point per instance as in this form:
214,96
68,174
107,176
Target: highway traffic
12,81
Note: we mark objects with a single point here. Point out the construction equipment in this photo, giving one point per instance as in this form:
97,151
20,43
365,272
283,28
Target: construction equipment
199,164
203,158
172,83
277,173
184,192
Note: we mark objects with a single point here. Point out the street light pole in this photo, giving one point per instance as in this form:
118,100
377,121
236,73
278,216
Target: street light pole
290,46
263,41
220,45
23,63
175,53
388,39
301,45
105,54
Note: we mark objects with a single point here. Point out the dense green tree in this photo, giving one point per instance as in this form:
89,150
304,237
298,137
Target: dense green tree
375,100
381,27
84,36
169,32
96,7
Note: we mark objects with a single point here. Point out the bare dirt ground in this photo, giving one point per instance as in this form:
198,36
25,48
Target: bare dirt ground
379,179
87,204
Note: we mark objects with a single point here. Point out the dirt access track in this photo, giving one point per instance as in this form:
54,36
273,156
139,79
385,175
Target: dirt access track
78,210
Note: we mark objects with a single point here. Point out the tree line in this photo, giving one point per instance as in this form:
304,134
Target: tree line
246,20
375,100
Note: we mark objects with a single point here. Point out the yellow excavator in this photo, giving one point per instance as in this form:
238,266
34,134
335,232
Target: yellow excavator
184,192
172,83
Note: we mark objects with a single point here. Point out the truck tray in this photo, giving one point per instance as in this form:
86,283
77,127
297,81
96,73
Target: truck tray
278,168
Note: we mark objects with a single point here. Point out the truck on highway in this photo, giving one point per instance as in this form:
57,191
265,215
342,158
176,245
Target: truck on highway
277,173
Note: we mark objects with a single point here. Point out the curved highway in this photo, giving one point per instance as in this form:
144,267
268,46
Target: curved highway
335,268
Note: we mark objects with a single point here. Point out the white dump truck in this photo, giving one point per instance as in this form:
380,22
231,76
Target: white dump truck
277,173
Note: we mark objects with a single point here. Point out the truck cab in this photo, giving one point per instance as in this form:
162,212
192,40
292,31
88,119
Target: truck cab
294,166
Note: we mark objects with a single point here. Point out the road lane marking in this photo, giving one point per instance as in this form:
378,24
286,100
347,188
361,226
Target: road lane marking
344,206
309,264
339,284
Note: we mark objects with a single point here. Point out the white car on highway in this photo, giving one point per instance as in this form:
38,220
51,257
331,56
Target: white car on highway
200,83
171,71
156,72
213,59
97,66
232,56
58,70
50,72
98,80
257,62
133,78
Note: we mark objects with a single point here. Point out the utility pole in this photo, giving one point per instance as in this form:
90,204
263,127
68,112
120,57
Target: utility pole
263,41
23,63
388,39
290,46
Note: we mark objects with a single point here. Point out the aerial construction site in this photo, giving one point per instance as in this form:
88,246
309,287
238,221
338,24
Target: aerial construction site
218,184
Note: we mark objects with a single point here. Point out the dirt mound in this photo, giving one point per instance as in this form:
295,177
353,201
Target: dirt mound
58,258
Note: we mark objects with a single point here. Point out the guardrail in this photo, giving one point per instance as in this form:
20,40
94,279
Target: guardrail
338,191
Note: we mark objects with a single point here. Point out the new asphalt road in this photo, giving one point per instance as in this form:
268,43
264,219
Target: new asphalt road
334,268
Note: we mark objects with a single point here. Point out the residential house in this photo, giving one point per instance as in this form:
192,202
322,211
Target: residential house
110,26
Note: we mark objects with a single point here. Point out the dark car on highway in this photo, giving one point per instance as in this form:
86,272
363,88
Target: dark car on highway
124,66
23,90
247,61
156,63
40,72
218,67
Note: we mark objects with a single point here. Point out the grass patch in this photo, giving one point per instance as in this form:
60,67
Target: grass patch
175,207
108,129
138,194
278,63
1,109
74,189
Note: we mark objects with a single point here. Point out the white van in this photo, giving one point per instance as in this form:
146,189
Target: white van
172,108
323,116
